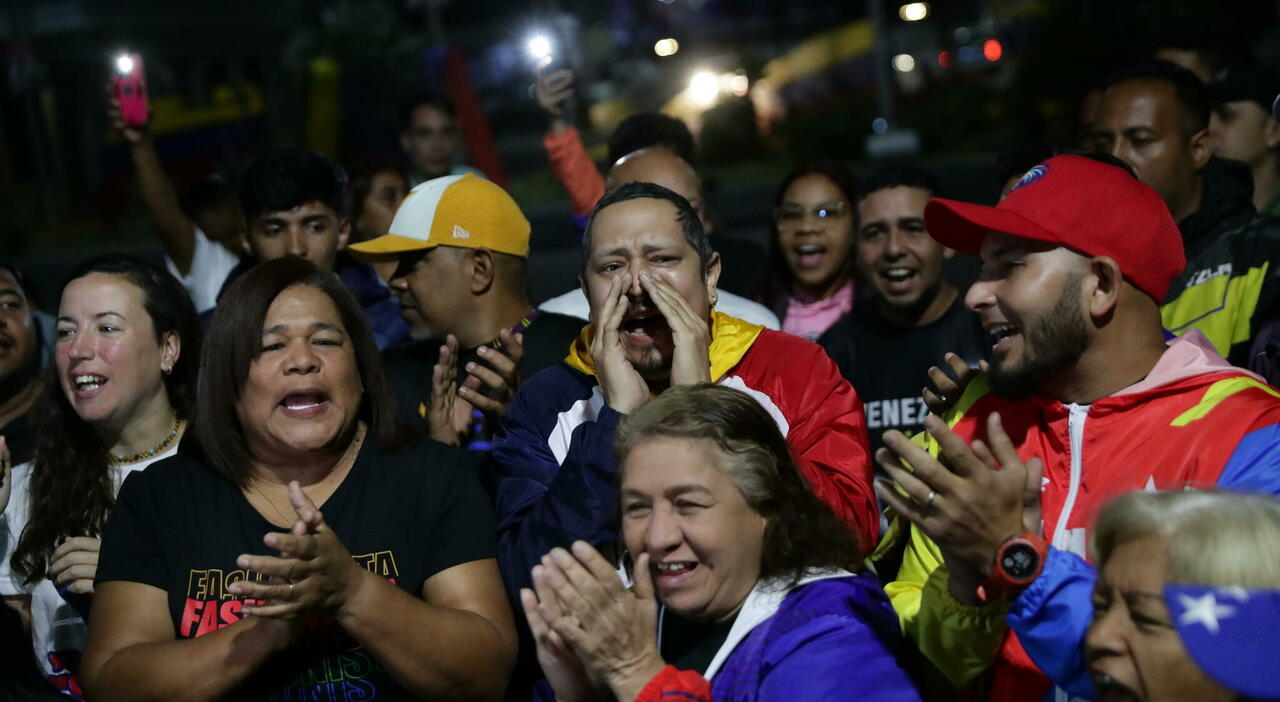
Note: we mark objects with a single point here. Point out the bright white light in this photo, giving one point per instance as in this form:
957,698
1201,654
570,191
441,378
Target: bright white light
539,47
913,11
904,63
124,64
666,47
739,84
704,88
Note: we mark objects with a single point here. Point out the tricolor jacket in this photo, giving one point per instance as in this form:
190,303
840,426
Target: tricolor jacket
555,478
1193,422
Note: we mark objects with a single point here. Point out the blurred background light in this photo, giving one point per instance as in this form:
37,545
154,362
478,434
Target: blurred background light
904,63
666,47
992,50
704,88
913,11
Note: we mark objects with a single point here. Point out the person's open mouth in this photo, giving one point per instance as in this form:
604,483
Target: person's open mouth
810,256
87,385
898,279
673,574
1108,689
304,404
644,326
1005,334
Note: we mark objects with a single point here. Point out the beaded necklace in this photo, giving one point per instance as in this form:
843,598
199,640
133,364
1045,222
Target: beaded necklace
118,460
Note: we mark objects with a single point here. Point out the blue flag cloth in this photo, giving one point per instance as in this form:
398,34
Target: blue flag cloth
1230,633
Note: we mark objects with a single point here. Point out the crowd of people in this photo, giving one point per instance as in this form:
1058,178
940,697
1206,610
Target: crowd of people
331,449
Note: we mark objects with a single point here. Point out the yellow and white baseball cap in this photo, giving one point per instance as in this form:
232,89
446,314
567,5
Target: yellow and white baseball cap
464,211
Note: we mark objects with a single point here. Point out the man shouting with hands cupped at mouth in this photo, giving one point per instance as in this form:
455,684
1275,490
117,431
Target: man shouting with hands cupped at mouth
649,274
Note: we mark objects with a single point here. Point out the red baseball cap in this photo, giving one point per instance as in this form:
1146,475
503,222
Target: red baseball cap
1093,207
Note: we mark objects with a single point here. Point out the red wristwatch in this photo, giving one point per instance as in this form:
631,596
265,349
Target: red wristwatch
1019,561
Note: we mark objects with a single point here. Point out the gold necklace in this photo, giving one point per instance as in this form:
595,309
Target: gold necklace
253,483
119,460
355,446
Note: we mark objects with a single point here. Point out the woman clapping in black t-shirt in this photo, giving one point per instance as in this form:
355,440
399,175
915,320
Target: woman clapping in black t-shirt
392,592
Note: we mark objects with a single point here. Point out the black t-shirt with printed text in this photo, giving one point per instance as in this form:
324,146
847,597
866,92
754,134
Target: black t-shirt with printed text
405,516
888,365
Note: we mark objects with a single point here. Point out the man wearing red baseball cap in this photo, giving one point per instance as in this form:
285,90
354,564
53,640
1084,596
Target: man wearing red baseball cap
1084,400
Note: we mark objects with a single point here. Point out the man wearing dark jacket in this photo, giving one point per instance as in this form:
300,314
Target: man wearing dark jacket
1155,117
649,275
460,244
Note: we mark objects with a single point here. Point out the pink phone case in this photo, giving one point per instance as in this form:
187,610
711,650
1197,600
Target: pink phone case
131,91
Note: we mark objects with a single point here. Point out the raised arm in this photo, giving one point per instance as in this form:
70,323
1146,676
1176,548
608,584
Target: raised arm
177,231
569,160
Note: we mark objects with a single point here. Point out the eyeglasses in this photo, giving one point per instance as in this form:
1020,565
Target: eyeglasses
791,215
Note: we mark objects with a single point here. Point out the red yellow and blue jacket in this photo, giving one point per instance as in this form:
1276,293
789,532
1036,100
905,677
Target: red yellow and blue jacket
554,473
1194,422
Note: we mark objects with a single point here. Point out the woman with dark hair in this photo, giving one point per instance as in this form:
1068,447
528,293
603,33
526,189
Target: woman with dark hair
392,593
810,283
740,574
117,398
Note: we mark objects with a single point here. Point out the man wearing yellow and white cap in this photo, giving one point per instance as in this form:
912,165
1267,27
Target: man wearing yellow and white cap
460,244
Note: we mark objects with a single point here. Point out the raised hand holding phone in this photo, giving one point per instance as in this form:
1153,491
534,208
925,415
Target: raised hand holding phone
129,88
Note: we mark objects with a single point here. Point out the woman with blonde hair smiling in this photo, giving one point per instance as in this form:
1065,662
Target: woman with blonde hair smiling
741,580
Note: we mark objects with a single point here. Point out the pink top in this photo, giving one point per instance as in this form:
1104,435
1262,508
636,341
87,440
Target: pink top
1187,356
808,317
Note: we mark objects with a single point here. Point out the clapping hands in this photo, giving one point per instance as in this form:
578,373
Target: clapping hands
314,572
590,630
489,388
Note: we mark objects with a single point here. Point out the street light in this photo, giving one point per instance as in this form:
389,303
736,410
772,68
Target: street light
913,11
904,63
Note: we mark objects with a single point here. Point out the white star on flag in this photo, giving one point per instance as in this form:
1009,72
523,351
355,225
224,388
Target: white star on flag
1204,610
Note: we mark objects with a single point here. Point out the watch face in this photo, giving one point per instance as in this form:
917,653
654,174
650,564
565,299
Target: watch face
1019,561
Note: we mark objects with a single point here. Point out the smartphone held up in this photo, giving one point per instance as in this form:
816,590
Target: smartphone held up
129,85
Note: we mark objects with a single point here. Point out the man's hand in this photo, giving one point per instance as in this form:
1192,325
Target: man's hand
971,500
554,90
623,388
448,415
945,392
491,385
691,363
